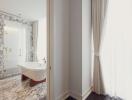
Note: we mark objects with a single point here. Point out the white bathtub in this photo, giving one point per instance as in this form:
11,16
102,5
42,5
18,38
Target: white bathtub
34,70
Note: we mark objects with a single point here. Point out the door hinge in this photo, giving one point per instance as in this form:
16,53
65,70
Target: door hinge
50,67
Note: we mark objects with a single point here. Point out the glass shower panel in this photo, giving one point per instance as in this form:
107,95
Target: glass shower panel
14,51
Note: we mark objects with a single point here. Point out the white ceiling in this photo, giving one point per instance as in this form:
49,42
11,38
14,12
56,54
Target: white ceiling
29,9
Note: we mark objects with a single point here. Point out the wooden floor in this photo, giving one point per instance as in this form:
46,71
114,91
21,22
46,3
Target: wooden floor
70,98
94,96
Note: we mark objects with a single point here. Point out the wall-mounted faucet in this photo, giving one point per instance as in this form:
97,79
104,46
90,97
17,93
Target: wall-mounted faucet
44,59
7,50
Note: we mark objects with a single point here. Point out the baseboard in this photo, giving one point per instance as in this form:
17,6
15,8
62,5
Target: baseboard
86,94
63,96
81,96
75,95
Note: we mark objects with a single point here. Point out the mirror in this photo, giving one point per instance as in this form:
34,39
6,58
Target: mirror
23,49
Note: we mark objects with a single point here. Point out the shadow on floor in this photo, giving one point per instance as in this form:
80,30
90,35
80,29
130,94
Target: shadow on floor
94,96
70,98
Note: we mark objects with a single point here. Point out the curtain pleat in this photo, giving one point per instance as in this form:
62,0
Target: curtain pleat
98,16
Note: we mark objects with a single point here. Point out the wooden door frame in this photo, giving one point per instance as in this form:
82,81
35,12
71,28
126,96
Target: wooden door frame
50,78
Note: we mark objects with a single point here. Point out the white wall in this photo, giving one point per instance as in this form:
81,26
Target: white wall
86,47
76,47
80,48
71,42
60,43
30,9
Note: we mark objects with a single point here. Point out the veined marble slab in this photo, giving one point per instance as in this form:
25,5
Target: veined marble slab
13,89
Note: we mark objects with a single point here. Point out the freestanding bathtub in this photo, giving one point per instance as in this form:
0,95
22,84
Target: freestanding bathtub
35,71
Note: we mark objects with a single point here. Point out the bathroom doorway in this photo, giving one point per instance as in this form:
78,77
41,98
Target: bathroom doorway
24,50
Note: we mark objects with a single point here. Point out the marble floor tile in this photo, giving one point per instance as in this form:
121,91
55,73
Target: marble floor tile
1,95
13,89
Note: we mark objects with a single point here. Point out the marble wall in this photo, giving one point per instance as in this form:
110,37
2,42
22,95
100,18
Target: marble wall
1,46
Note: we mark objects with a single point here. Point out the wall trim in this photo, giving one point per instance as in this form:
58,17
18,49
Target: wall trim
80,96
75,95
86,94
69,94
63,96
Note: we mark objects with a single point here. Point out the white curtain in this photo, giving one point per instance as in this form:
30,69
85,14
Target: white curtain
98,19
113,66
